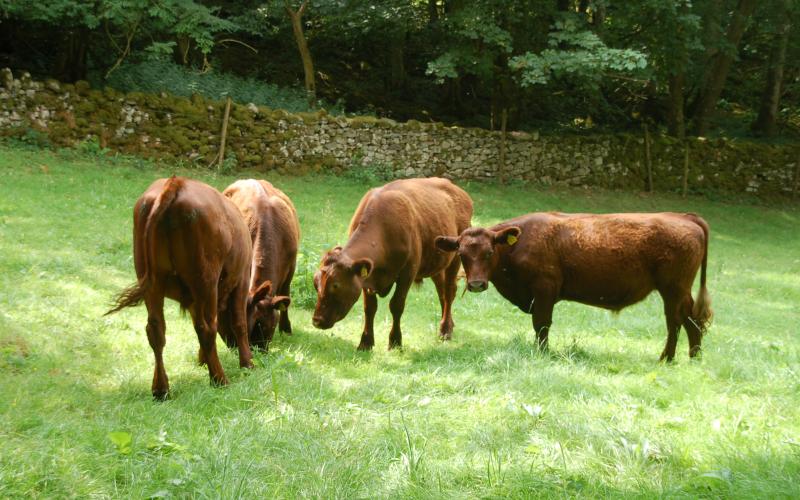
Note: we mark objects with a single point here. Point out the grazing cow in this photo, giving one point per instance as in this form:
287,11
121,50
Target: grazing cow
609,261
275,233
391,243
192,245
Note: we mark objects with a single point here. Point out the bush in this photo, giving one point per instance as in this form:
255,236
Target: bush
153,77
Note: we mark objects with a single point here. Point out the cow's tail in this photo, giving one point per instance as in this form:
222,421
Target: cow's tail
701,312
134,294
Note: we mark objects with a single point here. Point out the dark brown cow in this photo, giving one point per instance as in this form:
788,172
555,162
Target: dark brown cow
391,243
609,261
275,233
191,244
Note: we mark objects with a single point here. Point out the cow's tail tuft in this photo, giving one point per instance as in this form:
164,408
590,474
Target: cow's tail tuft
130,297
702,312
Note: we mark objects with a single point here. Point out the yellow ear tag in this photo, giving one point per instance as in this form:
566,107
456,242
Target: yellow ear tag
282,307
364,272
511,239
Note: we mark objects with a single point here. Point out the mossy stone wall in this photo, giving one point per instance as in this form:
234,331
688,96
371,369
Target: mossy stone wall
169,127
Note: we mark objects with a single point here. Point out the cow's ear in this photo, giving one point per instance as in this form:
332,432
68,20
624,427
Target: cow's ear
507,236
362,267
446,243
261,292
281,302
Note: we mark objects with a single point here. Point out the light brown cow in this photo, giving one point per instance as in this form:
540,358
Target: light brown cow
275,233
609,261
392,243
191,244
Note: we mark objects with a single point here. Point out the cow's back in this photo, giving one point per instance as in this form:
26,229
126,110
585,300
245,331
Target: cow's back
411,213
274,228
609,260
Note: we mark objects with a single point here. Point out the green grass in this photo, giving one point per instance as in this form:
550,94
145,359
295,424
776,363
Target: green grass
482,416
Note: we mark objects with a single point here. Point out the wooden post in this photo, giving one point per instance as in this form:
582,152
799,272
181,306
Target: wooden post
224,134
648,160
685,169
502,167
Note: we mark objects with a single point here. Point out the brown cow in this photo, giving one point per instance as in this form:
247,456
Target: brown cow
391,243
191,244
609,261
275,233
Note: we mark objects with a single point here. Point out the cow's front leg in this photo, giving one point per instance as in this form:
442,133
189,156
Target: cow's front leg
368,335
542,319
396,306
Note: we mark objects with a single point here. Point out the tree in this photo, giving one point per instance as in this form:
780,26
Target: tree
720,66
296,18
766,122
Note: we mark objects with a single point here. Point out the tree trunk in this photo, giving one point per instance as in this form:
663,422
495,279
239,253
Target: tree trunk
296,16
766,123
676,122
502,164
675,119
182,50
720,66
70,64
397,68
433,11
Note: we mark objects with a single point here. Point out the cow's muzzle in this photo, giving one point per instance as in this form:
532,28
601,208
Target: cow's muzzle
477,286
321,323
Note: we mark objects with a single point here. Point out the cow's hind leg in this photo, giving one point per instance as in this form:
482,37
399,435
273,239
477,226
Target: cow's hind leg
204,317
692,328
397,305
446,284
156,328
368,335
673,314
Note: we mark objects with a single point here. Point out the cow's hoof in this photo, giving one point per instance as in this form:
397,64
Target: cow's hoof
219,381
160,395
394,346
446,336
664,358
364,347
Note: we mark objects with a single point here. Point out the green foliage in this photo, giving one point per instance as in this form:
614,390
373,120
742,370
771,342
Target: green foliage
368,172
575,53
161,76
481,416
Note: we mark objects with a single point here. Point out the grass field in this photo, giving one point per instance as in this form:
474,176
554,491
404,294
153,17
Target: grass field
482,416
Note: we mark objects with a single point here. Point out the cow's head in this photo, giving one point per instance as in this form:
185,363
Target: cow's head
262,313
477,248
338,281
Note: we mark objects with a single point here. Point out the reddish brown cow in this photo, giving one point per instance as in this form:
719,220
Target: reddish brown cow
609,261
275,233
191,244
391,243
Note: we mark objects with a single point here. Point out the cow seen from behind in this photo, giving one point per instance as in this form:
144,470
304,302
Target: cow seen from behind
610,261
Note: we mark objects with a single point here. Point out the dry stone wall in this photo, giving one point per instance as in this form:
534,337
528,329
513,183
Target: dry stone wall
169,127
